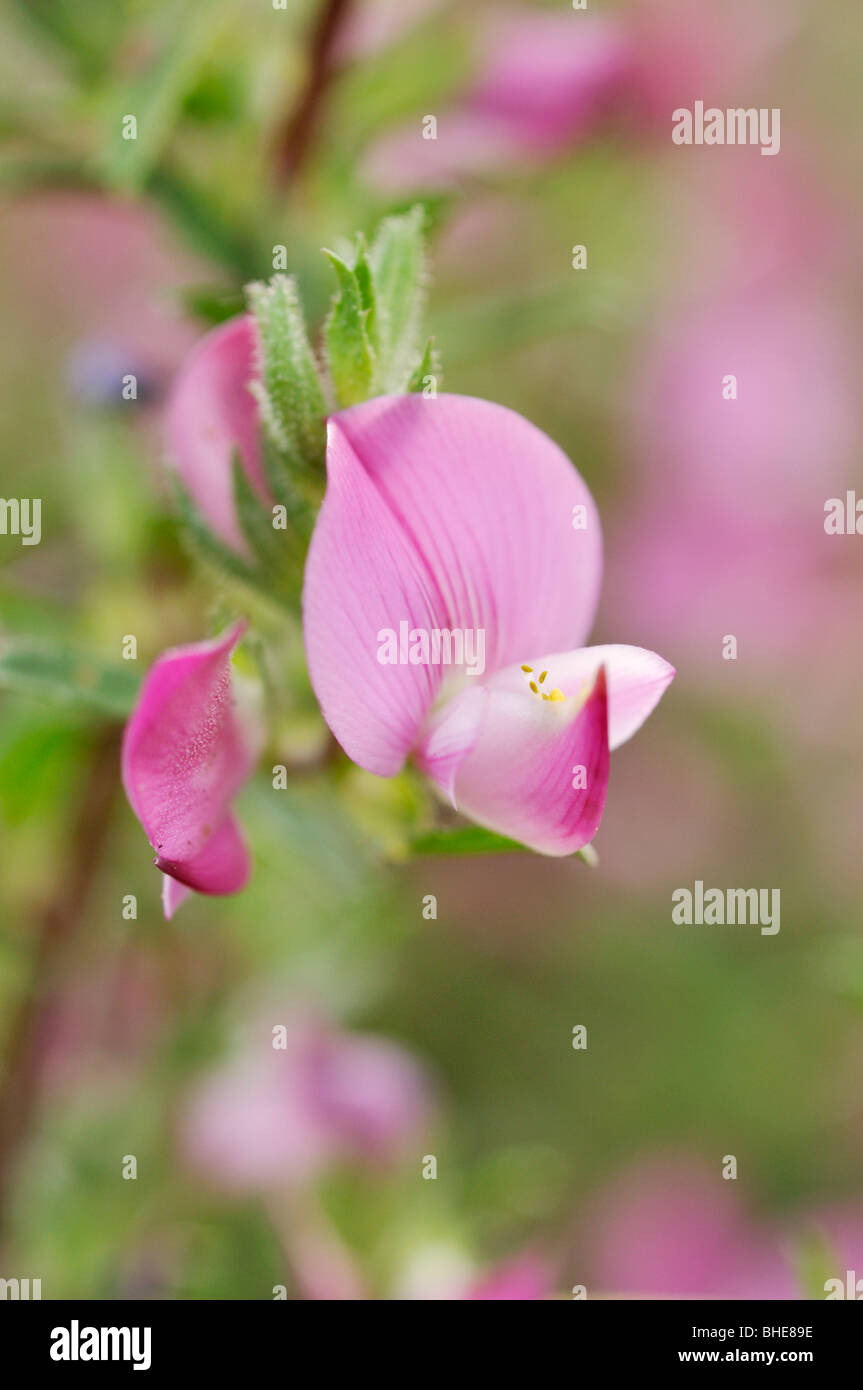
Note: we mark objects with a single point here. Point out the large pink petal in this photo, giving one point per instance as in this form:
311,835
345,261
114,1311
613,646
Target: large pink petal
210,414
184,758
447,512
363,575
520,777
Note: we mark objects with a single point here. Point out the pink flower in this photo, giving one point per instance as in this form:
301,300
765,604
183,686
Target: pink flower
524,1278
277,1116
543,82
548,80
457,516
210,416
670,1228
185,756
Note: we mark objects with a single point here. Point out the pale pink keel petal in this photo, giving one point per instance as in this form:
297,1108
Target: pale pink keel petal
364,579
210,415
184,758
174,894
449,735
538,771
637,680
499,515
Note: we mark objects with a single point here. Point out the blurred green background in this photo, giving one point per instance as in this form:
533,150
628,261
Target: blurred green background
701,1042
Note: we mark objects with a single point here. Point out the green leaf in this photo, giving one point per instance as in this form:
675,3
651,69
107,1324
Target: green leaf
289,391
475,839
350,353
429,365
66,676
279,557
188,32
397,260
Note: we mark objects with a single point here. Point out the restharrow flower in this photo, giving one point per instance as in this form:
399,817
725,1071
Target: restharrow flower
453,514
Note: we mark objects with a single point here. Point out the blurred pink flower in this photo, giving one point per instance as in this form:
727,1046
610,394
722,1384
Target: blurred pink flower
211,416
185,756
544,80
547,80
524,1278
277,1116
457,514
670,1229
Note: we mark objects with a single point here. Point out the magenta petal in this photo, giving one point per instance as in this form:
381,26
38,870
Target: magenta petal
210,414
523,775
222,866
447,512
184,758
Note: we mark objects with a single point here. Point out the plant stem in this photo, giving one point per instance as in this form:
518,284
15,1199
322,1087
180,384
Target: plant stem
295,139
57,925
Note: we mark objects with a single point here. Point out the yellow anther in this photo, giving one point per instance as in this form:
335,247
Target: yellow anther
529,669
542,677
557,694
534,687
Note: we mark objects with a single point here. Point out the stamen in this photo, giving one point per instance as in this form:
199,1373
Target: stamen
534,687
529,669
542,677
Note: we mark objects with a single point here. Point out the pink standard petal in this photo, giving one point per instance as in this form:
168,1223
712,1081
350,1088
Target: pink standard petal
448,512
184,758
523,775
210,414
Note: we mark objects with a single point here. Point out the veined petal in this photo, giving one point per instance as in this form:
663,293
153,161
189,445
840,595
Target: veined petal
184,758
538,769
488,501
210,414
365,578
637,680
447,513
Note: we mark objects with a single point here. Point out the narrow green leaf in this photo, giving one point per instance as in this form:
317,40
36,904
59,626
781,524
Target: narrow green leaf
350,354
289,391
280,558
428,366
63,675
397,260
188,32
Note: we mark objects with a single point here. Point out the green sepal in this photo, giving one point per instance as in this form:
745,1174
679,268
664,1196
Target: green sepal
288,389
350,353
